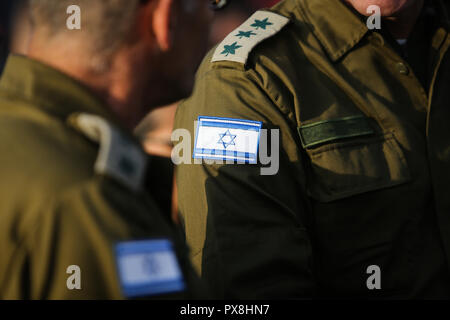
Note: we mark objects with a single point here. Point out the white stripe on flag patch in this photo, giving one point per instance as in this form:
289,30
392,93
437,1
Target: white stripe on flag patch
227,139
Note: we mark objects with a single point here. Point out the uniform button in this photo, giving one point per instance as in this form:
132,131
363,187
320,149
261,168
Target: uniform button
378,39
402,68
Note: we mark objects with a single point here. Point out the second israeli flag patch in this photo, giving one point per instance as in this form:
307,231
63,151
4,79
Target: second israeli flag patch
148,267
227,139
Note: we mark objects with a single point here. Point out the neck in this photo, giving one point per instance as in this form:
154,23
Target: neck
116,84
401,25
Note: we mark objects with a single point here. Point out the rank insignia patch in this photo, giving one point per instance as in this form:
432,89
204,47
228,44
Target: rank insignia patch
238,44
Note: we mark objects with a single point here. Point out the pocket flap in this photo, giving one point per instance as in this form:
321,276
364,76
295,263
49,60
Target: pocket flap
334,129
346,169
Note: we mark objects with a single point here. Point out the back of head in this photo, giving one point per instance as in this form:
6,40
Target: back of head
105,23
137,54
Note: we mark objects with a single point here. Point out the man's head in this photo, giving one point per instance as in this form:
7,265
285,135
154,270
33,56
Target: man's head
137,54
389,8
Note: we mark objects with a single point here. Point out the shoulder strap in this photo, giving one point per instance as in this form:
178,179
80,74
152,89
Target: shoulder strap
119,157
259,27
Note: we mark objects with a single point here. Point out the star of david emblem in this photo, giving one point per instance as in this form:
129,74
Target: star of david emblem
227,139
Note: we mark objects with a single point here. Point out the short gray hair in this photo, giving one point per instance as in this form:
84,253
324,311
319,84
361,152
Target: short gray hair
105,23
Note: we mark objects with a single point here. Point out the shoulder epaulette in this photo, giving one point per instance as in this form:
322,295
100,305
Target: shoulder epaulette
259,27
119,157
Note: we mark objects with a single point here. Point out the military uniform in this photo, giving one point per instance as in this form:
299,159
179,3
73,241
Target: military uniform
74,194
364,158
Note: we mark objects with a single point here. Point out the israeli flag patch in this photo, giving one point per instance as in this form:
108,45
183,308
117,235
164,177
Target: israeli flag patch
227,139
148,268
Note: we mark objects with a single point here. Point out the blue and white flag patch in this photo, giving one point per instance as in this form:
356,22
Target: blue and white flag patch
227,139
148,267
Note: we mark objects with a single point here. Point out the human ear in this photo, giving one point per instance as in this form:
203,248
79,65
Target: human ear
163,23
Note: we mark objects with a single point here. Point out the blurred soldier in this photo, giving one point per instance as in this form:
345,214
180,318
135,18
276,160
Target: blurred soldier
360,205
227,20
156,128
155,134
78,219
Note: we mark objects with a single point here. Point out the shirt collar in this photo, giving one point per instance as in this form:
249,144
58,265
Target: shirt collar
49,89
339,29
334,25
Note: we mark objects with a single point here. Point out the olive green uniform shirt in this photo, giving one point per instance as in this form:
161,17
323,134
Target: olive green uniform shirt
55,209
364,176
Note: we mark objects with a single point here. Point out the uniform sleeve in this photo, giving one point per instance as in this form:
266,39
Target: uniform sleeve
81,229
247,231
